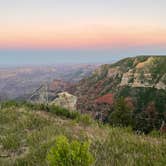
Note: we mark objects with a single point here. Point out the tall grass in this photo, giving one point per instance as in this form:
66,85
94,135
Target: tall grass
26,136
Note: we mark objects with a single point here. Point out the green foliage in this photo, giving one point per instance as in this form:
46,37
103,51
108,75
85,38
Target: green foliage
142,96
124,64
142,123
10,141
36,106
145,122
157,134
65,153
25,144
158,68
85,120
124,148
122,114
63,112
34,122
8,104
13,104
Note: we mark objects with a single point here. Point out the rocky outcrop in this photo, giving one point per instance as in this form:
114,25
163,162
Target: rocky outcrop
113,72
142,79
137,79
127,78
142,75
161,83
65,100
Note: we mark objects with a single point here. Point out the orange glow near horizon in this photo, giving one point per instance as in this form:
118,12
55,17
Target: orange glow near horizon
80,36
75,24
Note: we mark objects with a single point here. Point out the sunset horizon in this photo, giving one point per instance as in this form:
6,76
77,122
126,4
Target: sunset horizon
109,28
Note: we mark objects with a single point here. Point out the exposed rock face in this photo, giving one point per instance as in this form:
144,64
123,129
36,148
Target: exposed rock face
142,75
127,78
142,79
162,83
113,72
65,100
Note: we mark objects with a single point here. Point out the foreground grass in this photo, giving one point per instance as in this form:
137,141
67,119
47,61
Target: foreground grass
26,135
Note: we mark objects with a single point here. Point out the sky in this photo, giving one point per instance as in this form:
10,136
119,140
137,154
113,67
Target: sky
80,31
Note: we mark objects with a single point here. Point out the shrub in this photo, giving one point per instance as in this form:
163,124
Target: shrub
122,115
36,106
85,120
8,104
155,133
59,111
147,121
65,153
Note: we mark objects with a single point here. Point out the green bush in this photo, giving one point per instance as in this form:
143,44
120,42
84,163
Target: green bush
8,104
59,111
122,114
147,121
85,120
65,153
157,134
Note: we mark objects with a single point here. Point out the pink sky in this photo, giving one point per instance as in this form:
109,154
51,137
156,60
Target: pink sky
82,23
81,36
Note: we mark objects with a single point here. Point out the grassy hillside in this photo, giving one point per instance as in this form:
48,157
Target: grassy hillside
27,133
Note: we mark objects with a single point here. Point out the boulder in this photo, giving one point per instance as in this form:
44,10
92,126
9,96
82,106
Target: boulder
65,100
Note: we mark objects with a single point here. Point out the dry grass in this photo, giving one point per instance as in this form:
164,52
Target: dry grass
26,136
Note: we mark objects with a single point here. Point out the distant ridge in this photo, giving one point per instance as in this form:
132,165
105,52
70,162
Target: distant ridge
141,78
